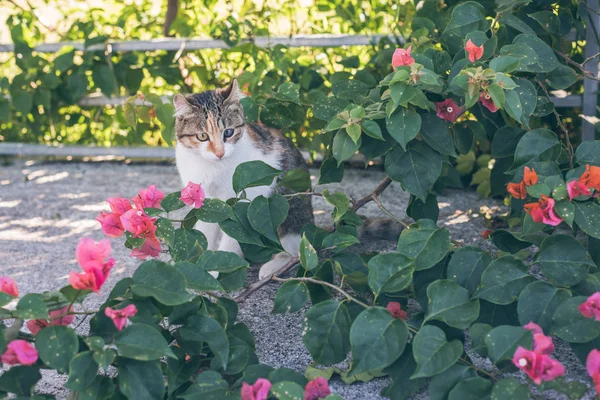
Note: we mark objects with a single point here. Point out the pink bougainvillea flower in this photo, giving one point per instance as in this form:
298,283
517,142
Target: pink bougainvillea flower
9,286
148,198
541,343
475,52
543,211
119,205
396,310
551,369
592,365
258,391
150,248
576,189
111,224
120,317
448,110
317,389
36,325
539,367
591,307
20,352
193,194
94,258
402,58
138,223
486,100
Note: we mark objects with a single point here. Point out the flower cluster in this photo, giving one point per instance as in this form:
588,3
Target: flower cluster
19,352
94,258
314,390
537,363
396,310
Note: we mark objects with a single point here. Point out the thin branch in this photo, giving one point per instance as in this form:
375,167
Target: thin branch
562,127
587,60
303,194
377,200
256,286
318,282
580,67
376,192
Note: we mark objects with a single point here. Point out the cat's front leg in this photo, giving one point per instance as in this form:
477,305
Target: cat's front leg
212,232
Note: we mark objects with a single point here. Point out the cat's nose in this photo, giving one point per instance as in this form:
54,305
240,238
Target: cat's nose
220,154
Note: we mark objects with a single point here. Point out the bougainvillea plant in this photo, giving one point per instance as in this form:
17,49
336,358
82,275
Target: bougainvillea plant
471,72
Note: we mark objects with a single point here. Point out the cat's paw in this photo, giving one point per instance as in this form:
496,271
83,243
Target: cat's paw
272,267
215,274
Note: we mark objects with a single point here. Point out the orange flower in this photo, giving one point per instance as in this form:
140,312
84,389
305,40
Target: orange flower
517,190
475,52
530,177
591,177
486,233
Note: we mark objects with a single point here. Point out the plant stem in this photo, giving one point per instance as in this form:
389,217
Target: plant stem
483,371
318,282
303,194
256,286
376,192
580,67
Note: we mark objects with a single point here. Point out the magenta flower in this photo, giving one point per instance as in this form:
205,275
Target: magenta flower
576,189
138,223
591,307
119,205
486,100
317,389
111,224
258,391
120,317
36,325
541,343
448,110
592,365
543,211
193,194
396,310
150,248
20,352
94,258
148,198
402,58
9,286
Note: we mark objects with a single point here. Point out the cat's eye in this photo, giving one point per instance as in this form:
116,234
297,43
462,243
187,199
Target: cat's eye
203,137
227,133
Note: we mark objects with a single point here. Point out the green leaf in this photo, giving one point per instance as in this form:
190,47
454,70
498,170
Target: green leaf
510,388
467,265
289,92
401,93
197,278
449,303
538,302
562,77
573,390
221,261
507,5
188,245
588,153
20,380
502,342
352,268
402,387
82,371
57,345
162,281
436,133
130,115
564,260
287,391
587,217
503,280
297,180
31,306
549,21
141,379
475,388
165,230
506,241
403,126
513,105
203,329
209,385
327,332
372,129
466,17
417,209
290,297
327,108
425,242
344,147
22,101
417,169
142,342
266,214
252,174
104,78
331,172
339,241
505,64
534,53
214,211
308,256
441,384
377,340
172,202
571,325
340,201
478,332
239,227
433,353
354,132
390,272
349,89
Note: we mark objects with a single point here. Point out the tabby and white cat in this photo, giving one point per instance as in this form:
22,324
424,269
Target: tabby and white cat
212,140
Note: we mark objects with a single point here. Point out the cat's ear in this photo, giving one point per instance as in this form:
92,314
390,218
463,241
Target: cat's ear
181,105
233,93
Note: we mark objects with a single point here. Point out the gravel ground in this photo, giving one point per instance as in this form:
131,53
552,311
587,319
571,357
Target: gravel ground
45,208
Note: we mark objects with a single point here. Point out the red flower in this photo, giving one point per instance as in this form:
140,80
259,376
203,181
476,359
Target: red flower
475,52
36,325
402,58
396,310
258,391
541,343
517,190
148,198
448,110
486,233
543,211
486,100
120,317
592,365
317,389
9,286
539,367
95,261
193,194
591,307
20,352
576,189
591,177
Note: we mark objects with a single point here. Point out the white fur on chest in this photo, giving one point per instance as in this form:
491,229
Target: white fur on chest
216,176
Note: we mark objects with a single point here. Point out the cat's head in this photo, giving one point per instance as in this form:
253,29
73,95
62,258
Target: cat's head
210,123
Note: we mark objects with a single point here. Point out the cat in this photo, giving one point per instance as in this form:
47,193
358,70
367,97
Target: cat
213,138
